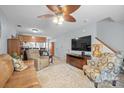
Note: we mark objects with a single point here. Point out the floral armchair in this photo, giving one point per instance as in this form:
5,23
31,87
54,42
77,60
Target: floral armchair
105,68
40,62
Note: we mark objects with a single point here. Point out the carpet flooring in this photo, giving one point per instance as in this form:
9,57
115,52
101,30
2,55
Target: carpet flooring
63,75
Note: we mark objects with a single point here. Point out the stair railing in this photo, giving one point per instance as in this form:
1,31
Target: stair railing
113,50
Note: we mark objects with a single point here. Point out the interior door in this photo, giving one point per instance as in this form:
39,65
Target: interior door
52,50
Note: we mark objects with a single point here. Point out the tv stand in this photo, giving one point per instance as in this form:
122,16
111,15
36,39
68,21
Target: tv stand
77,60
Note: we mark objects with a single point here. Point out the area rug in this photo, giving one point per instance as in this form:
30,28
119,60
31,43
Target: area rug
63,75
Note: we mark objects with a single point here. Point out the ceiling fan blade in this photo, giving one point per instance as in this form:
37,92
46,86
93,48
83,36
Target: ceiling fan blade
68,9
56,9
45,16
69,18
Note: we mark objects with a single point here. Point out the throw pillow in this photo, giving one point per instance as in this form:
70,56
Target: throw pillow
19,65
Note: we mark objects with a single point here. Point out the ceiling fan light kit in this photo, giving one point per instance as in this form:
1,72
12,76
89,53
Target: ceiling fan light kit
55,20
58,19
61,13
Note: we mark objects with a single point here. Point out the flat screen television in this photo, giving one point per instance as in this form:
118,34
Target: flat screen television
81,43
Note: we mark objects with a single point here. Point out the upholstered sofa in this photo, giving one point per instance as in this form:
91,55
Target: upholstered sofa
105,68
14,79
40,62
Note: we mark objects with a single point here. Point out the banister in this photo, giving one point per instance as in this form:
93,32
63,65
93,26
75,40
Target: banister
106,45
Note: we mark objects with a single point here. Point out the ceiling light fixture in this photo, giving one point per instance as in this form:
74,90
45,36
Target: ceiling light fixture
58,19
35,30
55,20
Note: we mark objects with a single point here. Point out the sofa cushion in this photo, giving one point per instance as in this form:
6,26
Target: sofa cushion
19,65
24,79
6,69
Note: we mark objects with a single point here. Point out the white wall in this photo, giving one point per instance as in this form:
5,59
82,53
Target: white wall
7,29
63,42
111,33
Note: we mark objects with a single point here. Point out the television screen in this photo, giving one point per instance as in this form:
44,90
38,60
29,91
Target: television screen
82,43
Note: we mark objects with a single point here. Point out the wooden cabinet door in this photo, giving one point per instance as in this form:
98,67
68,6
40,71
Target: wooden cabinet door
13,46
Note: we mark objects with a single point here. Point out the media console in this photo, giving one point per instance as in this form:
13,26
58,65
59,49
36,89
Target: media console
77,60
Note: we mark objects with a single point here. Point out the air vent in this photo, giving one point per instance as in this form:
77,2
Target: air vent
19,25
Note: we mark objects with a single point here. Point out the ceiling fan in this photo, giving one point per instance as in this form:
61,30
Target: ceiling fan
61,13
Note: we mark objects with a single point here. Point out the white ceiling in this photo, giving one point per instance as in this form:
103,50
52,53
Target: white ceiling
26,15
